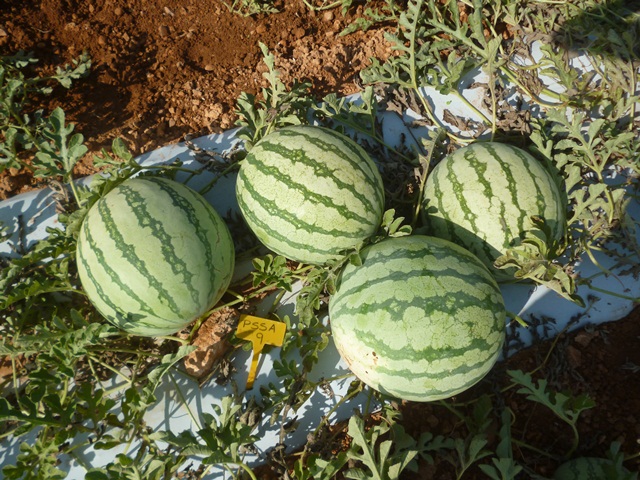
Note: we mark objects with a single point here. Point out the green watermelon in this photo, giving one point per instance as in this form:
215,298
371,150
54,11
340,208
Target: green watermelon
310,193
483,196
153,256
421,319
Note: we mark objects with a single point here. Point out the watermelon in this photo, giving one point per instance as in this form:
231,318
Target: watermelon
483,196
153,256
310,193
421,319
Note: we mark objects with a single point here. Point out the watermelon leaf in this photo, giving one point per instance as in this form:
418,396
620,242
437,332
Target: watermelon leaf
504,467
384,460
317,468
564,406
60,151
272,270
392,226
220,439
362,449
469,451
166,363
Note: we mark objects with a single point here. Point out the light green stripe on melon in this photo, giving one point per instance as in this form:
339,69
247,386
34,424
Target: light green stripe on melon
130,249
281,173
136,278
284,184
313,244
88,252
195,208
408,303
493,153
481,168
340,147
408,376
484,195
378,262
447,291
449,383
356,225
309,193
341,171
420,319
109,247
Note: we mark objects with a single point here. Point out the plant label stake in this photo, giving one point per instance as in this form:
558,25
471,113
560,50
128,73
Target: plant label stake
260,332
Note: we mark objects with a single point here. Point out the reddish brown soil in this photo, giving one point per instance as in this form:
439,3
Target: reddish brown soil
163,69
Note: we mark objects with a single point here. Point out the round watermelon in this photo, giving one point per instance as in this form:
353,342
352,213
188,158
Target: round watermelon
421,319
483,197
153,256
310,193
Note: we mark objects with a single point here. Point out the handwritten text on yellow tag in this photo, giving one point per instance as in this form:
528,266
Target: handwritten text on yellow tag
260,332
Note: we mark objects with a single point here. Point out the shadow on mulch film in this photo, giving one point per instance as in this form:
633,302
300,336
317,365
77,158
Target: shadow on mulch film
609,29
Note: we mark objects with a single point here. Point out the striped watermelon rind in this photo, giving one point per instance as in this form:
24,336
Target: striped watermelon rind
310,193
153,256
421,319
483,196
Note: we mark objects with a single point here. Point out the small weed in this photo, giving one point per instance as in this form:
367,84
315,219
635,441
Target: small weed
25,133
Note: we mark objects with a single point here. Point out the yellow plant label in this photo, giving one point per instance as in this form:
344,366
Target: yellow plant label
260,332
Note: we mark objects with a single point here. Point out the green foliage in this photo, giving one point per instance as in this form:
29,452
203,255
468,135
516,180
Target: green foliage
270,270
61,151
503,466
40,454
380,459
565,407
320,5
536,259
246,8
378,15
278,107
359,116
22,132
61,350
220,440
392,226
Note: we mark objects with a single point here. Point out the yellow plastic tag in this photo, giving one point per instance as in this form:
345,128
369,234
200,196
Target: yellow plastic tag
260,332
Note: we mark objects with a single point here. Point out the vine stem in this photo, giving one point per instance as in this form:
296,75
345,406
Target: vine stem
184,402
614,294
522,444
247,470
312,7
472,107
109,367
213,182
423,179
75,191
